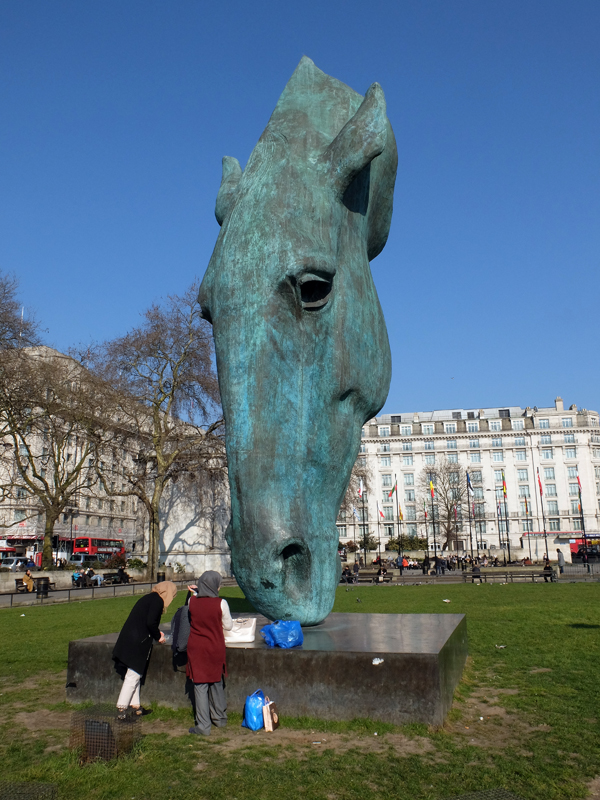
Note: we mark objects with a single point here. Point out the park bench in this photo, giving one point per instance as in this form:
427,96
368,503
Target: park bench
21,588
507,576
371,576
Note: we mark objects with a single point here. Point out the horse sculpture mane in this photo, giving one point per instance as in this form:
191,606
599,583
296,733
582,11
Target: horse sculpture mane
302,350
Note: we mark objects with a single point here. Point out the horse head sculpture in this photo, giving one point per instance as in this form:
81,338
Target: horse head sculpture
303,356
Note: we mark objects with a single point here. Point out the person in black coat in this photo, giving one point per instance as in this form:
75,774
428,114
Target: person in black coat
135,641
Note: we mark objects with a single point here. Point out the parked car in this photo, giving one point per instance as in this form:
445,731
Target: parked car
81,560
593,553
21,561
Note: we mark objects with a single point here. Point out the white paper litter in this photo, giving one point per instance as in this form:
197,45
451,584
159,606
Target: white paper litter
377,661
22,615
500,646
445,601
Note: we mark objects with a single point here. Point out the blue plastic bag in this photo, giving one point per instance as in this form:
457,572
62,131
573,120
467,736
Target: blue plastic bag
283,633
253,711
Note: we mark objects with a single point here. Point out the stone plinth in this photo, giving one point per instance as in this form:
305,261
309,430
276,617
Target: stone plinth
331,677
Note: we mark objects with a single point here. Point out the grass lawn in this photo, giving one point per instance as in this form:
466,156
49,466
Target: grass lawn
526,715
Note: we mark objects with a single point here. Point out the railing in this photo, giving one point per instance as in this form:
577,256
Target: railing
18,600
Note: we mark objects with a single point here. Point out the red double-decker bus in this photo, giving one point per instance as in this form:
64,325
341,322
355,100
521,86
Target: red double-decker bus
101,549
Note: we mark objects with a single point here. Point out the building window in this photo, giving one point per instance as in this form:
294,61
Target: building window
547,453
476,476
362,448
409,495
577,526
384,448
518,424
546,438
427,429
597,472
499,493
522,475
478,492
573,488
495,425
385,461
552,507
543,423
406,430
450,427
451,444
567,422
388,531
595,453
571,472
549,473
407,446
520,455
407,461
475,457
456,415
474,444
100,504
551,489
519,441
411,513
341,531
504,413
452,458
569,438
430,458
555,524
472,427
480,512
497,442
429,446
384,430
20,515
497,476
388,512
570,452
409,479
574,507
480,527
361,462
497,455
527,525
386,480
524,491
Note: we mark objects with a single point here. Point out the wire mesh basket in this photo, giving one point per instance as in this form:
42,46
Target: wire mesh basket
28,791
98,734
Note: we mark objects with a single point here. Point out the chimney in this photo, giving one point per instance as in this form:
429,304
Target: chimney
558,404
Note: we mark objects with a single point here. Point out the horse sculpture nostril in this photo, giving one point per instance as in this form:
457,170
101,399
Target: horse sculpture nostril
296,568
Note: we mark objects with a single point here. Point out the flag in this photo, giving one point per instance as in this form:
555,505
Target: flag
394,489
431,489
526,508
473,509
503,484
469,486
400,514
579,482
424,509
355,512
380,513
455,513
360,488
540,482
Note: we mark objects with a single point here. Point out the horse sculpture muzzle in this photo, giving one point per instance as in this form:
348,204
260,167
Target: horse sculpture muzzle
302,351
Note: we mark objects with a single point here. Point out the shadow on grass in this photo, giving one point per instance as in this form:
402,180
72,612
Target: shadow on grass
239,604
582,625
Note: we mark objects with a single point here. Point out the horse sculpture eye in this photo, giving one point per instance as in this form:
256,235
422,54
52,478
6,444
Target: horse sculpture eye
315,291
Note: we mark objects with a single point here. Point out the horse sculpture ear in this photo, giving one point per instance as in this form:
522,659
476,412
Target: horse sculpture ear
361,139
230,180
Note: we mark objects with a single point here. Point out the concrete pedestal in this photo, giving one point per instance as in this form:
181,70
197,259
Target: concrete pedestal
332,676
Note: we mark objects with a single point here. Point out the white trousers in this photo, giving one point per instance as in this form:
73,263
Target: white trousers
130,692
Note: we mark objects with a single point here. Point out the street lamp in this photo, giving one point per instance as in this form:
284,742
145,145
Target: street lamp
499,524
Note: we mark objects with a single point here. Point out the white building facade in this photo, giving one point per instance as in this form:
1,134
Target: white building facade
490,444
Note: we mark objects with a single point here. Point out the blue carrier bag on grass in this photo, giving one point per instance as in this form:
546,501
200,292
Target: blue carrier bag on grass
253,711
283,633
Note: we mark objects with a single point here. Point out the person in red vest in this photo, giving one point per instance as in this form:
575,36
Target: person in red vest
206,667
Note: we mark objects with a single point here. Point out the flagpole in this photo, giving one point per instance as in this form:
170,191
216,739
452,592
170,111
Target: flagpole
469,513
581,512
426,527
506,518
400,542
542,507
365,525
433,520
499,518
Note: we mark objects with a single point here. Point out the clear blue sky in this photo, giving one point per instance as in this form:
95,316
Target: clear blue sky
115,116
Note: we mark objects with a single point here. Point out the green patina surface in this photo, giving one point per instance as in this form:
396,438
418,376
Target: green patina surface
302,349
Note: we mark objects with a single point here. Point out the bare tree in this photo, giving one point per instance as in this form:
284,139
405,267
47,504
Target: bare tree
16,329
450,499
51,421
165,406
